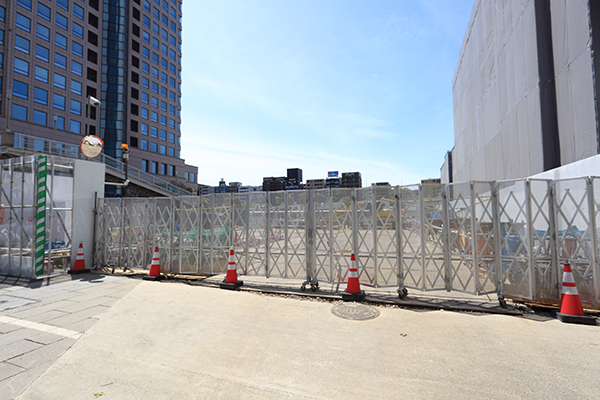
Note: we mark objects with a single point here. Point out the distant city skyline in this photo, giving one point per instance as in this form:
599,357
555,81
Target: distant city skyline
334,86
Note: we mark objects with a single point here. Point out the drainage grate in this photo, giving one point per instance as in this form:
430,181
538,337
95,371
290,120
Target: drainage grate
355,311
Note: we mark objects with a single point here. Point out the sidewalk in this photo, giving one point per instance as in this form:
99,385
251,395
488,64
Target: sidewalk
40,320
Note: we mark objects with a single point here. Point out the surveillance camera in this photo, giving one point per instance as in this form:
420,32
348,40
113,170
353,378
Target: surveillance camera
94,101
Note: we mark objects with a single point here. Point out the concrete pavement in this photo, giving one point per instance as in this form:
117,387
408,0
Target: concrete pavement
40,320
167,340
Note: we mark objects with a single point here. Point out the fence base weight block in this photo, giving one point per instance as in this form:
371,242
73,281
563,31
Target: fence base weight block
153,278
577,319
353,296
231,286
78,271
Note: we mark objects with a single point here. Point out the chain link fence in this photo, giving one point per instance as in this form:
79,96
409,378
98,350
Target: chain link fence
508,237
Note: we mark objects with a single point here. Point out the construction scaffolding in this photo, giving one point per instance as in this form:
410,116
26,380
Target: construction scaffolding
36,209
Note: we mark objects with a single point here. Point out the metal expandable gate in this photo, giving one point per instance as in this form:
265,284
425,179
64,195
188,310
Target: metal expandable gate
508,237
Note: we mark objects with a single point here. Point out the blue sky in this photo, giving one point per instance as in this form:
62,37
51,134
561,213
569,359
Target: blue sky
319,85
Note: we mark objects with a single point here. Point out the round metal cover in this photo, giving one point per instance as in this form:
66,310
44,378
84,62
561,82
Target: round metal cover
91,146
355,311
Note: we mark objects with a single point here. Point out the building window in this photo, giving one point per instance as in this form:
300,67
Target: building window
40,95
77,49
78,11
43,32
60,81
145,113
76,87
42,53
23,22
154,116
163,169
144,129
63,3
192,177
153,147
21,44
19,112
143,144
40,117
75,107
75,127
76,68
171,170
20,89
145,83
77,30
186,176
62,21
60,61
58,101
60,122
43,11
21,67
154,167
41,74
163,149
154,132
171,152
60,40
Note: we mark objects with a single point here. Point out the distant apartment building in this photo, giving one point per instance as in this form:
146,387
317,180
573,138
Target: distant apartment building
351,180
315,184
127,54
205,189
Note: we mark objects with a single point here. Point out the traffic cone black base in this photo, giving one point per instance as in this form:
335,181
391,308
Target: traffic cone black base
353,296
577,319
78,271
153,278
231,286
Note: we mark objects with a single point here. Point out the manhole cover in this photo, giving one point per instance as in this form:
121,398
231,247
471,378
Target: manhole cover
355,311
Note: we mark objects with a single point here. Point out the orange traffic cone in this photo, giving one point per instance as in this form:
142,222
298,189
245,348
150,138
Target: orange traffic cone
231,280
571,309
154,274
353,291
79,266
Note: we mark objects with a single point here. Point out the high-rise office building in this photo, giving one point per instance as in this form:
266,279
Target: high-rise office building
125,53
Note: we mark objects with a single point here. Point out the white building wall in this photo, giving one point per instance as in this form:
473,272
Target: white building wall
497,120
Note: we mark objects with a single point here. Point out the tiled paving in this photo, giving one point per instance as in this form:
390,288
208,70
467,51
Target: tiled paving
41,319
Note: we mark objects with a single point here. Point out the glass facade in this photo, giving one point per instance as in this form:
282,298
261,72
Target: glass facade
113,122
